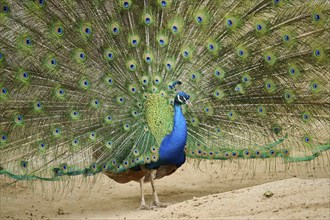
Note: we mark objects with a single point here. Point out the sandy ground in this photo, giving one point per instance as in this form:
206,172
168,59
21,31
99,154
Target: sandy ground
247,189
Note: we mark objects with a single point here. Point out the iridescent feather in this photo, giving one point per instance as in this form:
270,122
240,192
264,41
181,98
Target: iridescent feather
90,87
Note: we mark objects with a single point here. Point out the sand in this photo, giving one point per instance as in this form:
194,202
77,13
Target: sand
229,190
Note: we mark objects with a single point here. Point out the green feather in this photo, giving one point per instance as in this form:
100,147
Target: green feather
88,87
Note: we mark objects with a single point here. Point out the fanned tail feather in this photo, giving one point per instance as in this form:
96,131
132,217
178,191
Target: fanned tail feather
76,77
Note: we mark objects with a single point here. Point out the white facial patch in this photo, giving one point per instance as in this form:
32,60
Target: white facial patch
181,99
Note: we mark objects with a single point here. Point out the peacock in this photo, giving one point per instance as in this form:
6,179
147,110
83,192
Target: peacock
132,88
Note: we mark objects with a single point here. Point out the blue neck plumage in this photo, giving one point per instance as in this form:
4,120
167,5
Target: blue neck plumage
179,132
172,147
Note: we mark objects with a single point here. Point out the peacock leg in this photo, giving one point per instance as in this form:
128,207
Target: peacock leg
143,202
156,200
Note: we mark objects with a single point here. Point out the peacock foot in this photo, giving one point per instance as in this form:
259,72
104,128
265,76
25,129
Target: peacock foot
159,204
144,207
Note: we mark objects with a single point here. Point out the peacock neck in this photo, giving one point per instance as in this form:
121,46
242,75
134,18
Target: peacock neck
172,147
178,136
180,126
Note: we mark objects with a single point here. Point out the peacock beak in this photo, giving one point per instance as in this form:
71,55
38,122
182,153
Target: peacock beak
189,103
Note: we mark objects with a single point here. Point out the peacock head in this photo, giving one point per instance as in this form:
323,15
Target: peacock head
181,98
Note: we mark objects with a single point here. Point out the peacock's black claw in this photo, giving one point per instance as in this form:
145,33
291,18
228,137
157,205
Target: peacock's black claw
144,207
155,204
